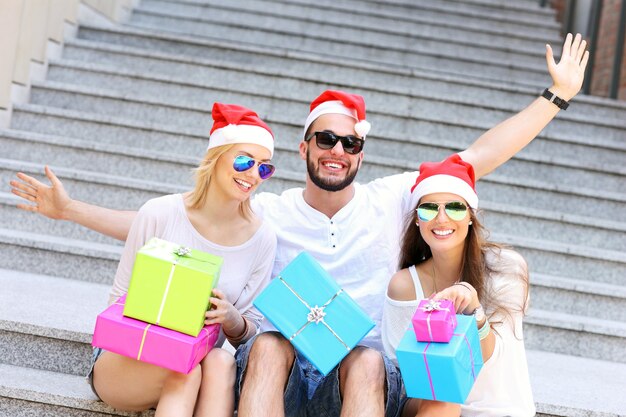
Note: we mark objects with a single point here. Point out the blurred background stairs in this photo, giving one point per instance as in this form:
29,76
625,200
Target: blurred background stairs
124,115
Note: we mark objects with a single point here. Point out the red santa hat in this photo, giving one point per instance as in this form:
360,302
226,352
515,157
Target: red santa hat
237,124
452,175
339,102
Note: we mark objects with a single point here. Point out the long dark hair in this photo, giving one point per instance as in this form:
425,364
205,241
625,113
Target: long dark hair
475,268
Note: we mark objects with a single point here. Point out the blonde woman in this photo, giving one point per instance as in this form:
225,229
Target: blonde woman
214,217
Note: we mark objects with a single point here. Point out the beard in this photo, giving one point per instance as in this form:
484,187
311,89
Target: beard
330,184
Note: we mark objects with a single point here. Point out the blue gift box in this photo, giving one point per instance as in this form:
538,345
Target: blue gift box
308,307
441,371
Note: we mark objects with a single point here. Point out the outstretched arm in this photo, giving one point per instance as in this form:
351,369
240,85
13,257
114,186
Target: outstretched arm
500,143
53,202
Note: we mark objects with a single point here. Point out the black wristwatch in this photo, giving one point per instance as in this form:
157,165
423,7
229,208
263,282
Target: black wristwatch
553,98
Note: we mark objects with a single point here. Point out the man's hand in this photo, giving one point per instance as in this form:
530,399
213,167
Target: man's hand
569,73
51,201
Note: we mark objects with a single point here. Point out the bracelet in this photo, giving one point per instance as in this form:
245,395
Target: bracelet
243,334
553,98
462,284
484,330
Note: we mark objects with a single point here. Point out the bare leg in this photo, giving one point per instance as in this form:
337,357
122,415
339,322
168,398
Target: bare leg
130,385
362,384
179,394
217,391
269,364
427,408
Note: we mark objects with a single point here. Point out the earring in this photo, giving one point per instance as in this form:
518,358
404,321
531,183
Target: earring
470,223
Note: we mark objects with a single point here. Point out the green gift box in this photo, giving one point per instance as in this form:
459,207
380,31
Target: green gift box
171,285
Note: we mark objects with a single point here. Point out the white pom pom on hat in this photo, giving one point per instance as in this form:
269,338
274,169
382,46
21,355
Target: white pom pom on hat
339,102
237,124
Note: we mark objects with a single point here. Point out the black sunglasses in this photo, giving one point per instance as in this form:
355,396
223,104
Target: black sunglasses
328,140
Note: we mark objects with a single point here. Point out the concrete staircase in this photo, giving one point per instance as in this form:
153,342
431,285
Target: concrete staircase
124,116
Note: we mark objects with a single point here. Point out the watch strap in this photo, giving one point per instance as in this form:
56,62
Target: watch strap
553,98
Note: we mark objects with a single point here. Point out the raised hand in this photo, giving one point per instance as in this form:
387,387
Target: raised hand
51,201
569,73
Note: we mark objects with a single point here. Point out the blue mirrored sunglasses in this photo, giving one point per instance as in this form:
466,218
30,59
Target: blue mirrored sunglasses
243,163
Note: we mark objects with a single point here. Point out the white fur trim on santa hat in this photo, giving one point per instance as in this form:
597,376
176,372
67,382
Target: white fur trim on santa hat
328,107
447,184
232,134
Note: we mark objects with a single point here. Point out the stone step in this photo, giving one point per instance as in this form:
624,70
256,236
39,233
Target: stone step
175,169
463,58
437,12
575,335
429,102
64,335
52,393
496,8
119,191
16,219
359,13
52,255
577,297
184,56
86,300
518,191
599,175
569,260
587,388
60,339
428,116
378,27
33,392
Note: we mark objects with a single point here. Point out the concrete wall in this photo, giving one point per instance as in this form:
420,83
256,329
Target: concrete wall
31,32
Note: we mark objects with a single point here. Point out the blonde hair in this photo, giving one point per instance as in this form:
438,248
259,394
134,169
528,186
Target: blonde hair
203,175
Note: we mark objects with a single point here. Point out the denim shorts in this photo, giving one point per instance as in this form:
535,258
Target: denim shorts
309,393
94,357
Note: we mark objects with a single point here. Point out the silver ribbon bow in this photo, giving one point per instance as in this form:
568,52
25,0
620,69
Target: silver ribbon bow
431,306
316,314
183,251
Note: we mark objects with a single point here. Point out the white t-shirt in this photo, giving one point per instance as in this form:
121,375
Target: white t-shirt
359,246
246,268
503,385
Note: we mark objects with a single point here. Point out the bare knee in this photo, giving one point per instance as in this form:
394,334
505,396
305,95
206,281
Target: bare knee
427,408
365,364
191,380
272,349
219,364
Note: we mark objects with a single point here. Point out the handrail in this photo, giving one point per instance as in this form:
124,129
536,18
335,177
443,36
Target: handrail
619,53
593,27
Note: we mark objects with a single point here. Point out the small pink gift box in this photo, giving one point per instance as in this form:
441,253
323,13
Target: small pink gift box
150,343
434,321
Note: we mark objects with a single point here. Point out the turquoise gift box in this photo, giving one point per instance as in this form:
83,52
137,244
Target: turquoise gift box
441,371
308,307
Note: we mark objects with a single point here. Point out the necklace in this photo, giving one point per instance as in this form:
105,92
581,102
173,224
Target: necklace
434,277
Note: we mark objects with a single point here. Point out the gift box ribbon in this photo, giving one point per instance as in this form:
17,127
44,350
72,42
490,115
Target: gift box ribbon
180,252
145,333
430,379
429,308
316,314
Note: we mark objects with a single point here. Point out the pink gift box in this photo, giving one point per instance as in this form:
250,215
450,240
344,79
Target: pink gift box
434,321
150,343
